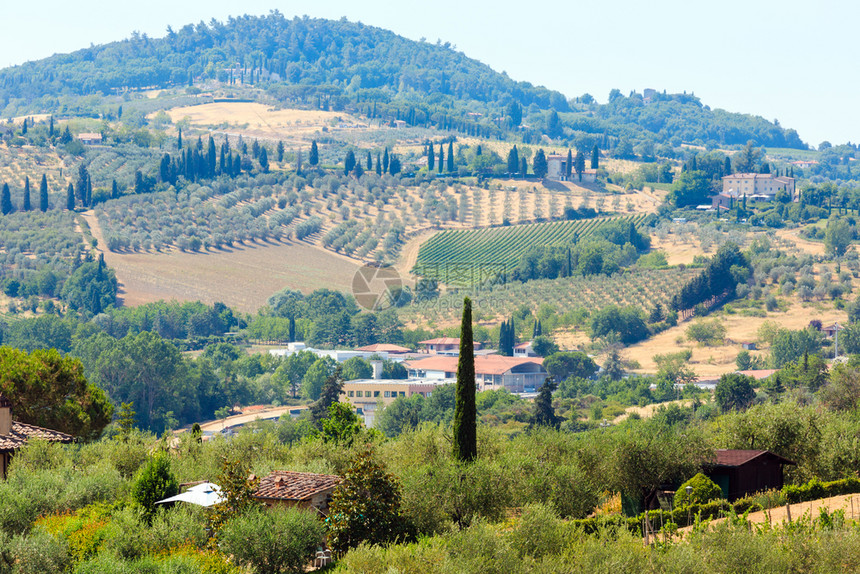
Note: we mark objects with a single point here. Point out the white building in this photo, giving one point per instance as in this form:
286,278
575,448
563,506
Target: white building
556,168
763,185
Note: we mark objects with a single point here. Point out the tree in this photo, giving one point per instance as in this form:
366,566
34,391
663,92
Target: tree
515,114
837,236
465,412
70,198
553,125
441,158
747,160
237,491
314,155
365,507
691,188
595,157
568,166
126,421
349,162
385,160
734,392
6,200
579,164
329,395
273,540
154,482
539,166
451,157
564,365
544,414
341,425
264,160
114,190
431,157
513,160
49,390
544,346
26,204
280,151
789,345
43,194
315,378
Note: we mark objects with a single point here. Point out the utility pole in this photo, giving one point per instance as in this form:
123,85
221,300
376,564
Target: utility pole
836,341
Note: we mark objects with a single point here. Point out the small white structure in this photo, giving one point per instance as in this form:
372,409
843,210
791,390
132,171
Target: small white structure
90,139
556,168
339,355
524,350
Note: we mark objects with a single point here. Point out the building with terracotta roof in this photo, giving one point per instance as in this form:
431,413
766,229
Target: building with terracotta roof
492,372
299,489
739,473
90,139
14,435
384,348
761,185
443,346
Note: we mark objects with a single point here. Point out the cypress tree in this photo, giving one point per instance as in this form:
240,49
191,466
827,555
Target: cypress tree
513,160
503,338
579,164
595,157
451,157
26,194
179,139
51,128
431,157
369,161
544,411
264,160
465,413
349,162
280,151
6,200
524,167
727,166
43,194
314,155
441,157
70,198
378,165
385,160
567,167
114,190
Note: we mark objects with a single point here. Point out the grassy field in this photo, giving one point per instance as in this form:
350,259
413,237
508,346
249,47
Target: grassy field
442,256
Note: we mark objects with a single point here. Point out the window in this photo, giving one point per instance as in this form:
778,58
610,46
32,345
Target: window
350,393
402,393
375,393
387,394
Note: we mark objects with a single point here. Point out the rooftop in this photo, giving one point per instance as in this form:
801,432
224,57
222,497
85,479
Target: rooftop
732,457
384,348
288,485
484,364
404,382
22,432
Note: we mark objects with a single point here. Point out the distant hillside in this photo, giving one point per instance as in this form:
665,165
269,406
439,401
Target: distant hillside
342,65
301,58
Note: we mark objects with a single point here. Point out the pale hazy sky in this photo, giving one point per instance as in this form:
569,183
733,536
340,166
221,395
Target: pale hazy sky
790,60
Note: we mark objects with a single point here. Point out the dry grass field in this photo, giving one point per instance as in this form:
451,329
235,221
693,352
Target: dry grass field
241,277
18,162
714,361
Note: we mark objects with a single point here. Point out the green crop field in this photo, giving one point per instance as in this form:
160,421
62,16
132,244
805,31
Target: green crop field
642,288
456,256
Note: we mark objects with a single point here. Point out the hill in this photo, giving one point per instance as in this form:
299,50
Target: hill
348,66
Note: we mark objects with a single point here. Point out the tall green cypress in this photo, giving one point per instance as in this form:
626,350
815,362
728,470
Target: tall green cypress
595,157
26,194
114,190
70,198
451,157
431,157
441,157
6,200
385,160
465,412
314,155
567,167
43,194
179,139
369,161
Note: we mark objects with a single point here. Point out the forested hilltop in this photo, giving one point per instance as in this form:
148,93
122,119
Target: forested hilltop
341,65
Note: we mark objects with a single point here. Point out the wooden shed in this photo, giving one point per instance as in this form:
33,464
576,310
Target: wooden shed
742,472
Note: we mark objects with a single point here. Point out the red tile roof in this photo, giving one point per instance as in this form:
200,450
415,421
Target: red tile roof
758,374
384,348
732,457
441,341
484,364
22,432
288,485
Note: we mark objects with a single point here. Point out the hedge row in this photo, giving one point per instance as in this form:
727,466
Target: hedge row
687,515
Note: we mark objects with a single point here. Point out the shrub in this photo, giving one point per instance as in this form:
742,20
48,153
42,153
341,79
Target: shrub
155,482
272,540
704,490
708,333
